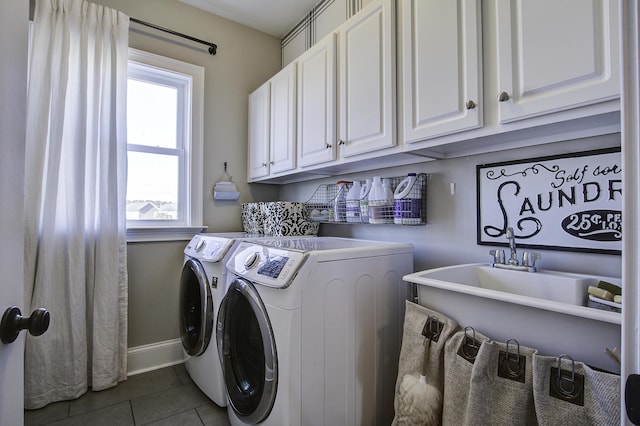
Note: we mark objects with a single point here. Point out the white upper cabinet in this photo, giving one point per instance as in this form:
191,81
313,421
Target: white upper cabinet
514,74
259,132
282,153
317,103
555,55
441,67
367,80
272,126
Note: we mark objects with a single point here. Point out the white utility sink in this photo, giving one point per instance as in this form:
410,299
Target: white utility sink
544,309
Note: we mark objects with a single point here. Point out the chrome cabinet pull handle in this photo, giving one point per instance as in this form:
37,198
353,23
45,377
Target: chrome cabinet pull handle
470,104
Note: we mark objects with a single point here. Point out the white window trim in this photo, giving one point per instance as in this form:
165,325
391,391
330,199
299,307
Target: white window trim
194,153
166,233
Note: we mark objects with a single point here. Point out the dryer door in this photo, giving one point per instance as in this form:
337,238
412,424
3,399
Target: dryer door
247,351
196,308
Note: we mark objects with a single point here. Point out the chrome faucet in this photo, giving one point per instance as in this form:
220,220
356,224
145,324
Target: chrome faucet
528,258
513,260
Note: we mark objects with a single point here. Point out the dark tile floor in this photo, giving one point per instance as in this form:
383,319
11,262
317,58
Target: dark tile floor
162,397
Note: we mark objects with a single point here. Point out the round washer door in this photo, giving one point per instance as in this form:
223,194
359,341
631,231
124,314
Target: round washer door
196,308
247,350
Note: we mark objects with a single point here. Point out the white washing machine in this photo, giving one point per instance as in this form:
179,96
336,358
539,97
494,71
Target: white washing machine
201,289
309,330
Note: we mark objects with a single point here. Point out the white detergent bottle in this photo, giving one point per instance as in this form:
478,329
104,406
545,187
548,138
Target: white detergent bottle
387,212
364,201
407,202
353,203
377,201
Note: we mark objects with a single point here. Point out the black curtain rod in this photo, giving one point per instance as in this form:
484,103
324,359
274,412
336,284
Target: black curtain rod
212,46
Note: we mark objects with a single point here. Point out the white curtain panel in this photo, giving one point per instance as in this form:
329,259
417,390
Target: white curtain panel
75,184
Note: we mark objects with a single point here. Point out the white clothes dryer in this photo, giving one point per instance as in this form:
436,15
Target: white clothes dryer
309,330
201,289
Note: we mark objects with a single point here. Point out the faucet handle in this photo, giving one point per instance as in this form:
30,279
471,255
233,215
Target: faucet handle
529,258
498,256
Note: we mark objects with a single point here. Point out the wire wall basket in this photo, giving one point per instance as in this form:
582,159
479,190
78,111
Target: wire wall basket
332,203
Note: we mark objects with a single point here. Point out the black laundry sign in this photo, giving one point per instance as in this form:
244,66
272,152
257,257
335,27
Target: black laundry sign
570,202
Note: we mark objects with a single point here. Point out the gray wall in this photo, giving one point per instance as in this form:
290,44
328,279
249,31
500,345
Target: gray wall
154,277
246,58
450,234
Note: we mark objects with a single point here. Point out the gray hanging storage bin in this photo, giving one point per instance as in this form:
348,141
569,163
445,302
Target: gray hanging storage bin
571,393
422,326
501,389
460,353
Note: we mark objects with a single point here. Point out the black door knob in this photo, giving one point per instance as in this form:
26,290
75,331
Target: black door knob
13,322
632,398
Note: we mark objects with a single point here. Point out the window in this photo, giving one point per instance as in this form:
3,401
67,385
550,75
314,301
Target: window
164,152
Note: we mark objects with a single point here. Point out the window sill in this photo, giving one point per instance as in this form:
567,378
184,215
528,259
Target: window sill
162,233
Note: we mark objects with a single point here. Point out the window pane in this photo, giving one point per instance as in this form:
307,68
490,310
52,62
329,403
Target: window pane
152,186
151,114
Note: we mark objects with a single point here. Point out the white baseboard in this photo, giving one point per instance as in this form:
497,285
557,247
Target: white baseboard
145,358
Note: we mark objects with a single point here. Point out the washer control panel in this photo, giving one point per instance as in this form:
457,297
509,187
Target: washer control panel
273,266
208,248
268,266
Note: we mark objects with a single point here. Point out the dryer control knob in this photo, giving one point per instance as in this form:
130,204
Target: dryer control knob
200,245
251,260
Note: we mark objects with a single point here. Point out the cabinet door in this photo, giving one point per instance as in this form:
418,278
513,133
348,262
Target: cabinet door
441,67
367,80
282,154
555,55
316,103
258,165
